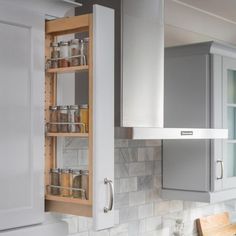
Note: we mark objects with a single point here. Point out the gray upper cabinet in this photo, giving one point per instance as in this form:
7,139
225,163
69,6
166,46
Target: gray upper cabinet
200,91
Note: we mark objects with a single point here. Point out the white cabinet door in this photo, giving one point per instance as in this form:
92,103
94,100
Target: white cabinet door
103,117
21,119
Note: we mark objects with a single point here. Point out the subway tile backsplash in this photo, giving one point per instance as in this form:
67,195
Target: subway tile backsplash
139,209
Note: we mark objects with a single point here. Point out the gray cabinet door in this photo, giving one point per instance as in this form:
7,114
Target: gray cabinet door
216,122
21,119
229,121
186,164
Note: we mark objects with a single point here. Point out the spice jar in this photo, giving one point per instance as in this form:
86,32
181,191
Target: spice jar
65,182
63,118
84,117
74,52
82,53
76,183
86,50
85,183
54,55
77,120
53,119
64,54
73,117
55,181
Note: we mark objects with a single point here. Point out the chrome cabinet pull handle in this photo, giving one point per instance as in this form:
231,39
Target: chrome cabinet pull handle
111,200
222,169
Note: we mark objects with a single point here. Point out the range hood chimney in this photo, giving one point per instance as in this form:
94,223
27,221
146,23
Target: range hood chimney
140,110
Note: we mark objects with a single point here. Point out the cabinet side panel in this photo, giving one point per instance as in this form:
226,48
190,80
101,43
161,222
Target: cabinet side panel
103,113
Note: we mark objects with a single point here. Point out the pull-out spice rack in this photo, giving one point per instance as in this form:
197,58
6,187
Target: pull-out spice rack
81,126
67,204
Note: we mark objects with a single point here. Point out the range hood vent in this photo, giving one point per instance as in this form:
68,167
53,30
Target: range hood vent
140,93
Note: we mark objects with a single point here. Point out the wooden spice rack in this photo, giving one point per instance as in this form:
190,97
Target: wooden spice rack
70,69
53,29
80,135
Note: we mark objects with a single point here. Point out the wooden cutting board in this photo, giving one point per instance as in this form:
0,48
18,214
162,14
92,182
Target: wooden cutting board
216,225
229,230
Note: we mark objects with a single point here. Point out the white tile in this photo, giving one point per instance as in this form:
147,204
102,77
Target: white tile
145,154
142,226
137,169
121,200
82,224
137,198
99,233
133,228
161,208
176,206
119,230
128,184
82,234
153,223
70,158
145,211
121,170
72,224
145,182
129,154
128,214
117,217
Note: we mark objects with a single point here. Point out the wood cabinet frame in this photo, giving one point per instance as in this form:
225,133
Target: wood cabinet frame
53,29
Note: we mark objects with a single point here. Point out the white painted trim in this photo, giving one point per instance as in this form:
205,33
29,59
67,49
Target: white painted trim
200,22
203,11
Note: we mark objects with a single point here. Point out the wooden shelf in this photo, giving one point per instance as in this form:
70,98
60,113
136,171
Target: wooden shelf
67,69
67,199
81,135
68,25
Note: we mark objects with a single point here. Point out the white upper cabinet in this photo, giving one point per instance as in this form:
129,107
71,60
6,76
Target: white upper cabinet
22,118
28,150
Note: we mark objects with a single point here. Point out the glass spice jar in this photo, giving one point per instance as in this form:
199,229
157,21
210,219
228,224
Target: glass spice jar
55,181
85,183
77,120
86,50
53,119
74,52
73,117
76,183
54,55
84,117
82,57
64,54
65,182
63,118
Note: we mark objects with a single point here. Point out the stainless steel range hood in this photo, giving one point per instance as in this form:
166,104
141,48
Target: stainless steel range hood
140,93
